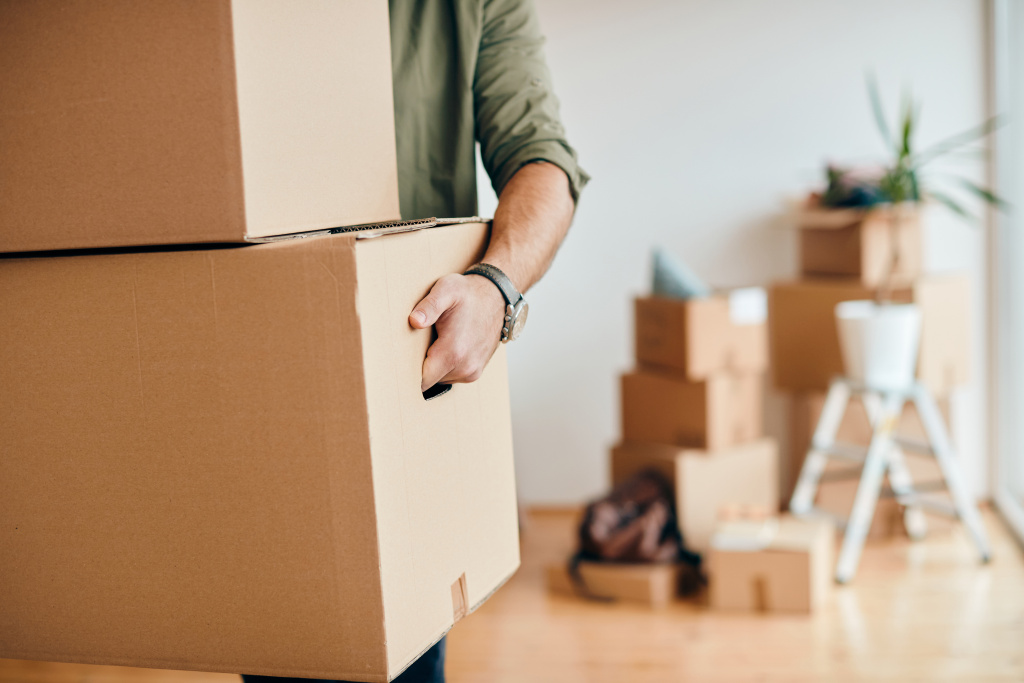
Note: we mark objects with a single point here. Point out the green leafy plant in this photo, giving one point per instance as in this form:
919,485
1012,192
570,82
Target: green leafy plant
900,181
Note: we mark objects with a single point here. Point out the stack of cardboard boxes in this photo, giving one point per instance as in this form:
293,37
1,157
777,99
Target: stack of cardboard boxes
844,255
692,410
693,407
220,458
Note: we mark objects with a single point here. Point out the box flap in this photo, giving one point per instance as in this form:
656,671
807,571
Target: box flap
370,230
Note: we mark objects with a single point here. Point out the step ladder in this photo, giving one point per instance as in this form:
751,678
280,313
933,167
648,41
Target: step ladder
884,455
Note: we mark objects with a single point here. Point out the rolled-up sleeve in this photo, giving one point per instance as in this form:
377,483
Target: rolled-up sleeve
517,120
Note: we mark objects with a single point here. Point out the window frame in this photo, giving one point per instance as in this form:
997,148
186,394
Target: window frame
1006,257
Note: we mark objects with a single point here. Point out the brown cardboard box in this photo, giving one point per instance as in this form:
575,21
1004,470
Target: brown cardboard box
836,496
697,337
703,482
858,244
717,413
805,353
131,123
789,571
654,585
221,459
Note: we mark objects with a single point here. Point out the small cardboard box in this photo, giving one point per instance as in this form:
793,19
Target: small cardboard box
701,337
836,496
805,353
128,123
654,585
221,459
703,482
858,244
716,413
788,569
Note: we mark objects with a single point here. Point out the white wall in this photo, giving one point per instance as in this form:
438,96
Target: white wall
697,119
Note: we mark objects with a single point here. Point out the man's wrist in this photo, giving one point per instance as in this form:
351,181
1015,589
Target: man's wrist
499,279
507,268
516,309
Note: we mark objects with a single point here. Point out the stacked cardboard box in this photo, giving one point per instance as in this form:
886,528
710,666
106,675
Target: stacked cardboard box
775,564
805,341
653,585
220,458
691,411
844,255
184,123
692,408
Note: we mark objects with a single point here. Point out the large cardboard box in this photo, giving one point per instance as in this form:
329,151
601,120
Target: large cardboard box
128,123
705,483
805,353
858,244
836,492
700,337
221,459
654,585
716,413
787,570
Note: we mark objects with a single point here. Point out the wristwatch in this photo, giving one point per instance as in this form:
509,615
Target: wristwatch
516,308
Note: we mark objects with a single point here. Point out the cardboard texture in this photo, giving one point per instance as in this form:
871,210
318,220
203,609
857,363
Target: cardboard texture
858,244
704,483
717,413
836,496
697,337
192,121
221,460
805,353
791,573
654,585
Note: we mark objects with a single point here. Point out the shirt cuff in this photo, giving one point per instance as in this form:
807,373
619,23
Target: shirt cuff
551,151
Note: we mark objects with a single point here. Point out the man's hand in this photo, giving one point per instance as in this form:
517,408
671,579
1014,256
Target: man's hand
533,215
468,311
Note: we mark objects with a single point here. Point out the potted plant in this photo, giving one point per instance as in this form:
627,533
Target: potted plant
879,338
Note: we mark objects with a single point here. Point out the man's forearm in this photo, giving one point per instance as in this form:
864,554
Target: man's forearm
533,215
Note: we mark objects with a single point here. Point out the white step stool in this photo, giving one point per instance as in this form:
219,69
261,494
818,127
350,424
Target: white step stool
885,453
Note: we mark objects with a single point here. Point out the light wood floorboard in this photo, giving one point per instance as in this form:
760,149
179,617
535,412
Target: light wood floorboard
923,611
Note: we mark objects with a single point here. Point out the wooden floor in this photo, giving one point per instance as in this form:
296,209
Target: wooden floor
922,611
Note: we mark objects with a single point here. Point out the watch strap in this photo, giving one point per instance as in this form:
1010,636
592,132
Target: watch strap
501,281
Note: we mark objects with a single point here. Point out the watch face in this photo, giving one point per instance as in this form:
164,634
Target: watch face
519,320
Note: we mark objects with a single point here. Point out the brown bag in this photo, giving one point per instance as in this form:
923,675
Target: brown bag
636,522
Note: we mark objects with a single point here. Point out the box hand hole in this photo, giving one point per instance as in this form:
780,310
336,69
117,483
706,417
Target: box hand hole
436,390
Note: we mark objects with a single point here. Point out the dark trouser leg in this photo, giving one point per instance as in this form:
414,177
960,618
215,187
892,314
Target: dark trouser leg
427,669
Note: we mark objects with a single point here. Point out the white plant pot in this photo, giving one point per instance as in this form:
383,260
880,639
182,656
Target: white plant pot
879,342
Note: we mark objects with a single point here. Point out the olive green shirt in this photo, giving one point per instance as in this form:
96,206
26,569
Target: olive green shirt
467,71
